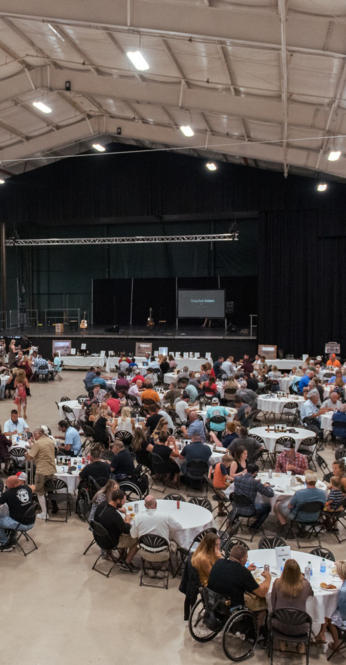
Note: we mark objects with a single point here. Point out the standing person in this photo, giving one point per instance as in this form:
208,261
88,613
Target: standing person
43,453
12,352
291,590
21,385
2,350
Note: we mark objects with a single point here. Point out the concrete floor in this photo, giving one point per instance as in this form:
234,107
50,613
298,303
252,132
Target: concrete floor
57,611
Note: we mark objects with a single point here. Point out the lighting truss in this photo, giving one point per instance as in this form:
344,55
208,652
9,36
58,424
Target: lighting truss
125,240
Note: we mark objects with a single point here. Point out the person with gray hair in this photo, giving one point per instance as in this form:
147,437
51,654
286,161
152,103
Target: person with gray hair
309,411
247,395
42,451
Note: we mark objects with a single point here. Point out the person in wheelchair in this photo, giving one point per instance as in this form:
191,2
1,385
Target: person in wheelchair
122,465
97,469
232,579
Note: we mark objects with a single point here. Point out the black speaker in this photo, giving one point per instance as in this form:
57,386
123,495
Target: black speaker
113,329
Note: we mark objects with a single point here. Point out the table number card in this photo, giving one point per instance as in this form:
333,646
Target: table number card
281,554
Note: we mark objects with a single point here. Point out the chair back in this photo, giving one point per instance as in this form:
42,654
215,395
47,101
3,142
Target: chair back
310,507
291,617
197,468
229,393
201,501
174,497
153,543
270,542
55,484
18,452
323,553
102,537
258,438
124,436
65,399
98,483
240,500
218,420
157,463
29,515
290,405
231,542
201,534
310,442
148,402
328,375
67,409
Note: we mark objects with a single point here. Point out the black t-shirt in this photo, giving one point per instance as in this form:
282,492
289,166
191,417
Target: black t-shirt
18,499
111,519
96,470
123,463
153,421
164,367
231,579
163,451
100,429
252,384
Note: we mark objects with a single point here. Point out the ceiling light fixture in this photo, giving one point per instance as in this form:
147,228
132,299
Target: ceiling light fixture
322,187
99,147
334,155
2,182
138,60
211,166
187,130
42,107
56,32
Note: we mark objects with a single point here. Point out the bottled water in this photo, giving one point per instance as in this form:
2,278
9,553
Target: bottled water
311,570
307,573
282,565
323,567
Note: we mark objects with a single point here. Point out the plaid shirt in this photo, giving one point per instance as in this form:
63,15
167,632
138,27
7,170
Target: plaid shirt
249,486
300,463
100,397
42,365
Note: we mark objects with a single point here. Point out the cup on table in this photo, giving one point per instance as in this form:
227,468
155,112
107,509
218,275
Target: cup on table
266,568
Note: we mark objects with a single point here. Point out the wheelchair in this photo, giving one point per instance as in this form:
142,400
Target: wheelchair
212,614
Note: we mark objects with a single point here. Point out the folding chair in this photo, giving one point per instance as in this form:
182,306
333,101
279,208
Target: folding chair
270,542
242,502
308,448
69,415
342,645
196,471
159,469
264,454
175,497
65,399
56,490
231,542
331,519
309,507
201,501
30,514
293,618
153,544
124,436
290,411
323,553
104,540
279,447
184,552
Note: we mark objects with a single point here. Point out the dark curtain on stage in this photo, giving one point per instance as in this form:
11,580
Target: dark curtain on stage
302,283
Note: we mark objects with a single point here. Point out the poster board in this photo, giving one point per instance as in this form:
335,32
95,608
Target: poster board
61,346
332,347
143,347
268,350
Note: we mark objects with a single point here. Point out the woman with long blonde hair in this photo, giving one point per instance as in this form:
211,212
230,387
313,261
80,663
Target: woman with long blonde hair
124,422
291,590
206,554
20,385
104,494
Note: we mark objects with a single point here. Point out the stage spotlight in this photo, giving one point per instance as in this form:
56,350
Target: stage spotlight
211,166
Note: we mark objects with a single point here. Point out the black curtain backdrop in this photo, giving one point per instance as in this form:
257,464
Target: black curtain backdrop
111,301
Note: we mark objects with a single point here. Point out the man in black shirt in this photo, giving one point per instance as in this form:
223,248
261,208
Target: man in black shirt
153,418
96,468
230,577
110,516
217,366
18,498
195,450
122,463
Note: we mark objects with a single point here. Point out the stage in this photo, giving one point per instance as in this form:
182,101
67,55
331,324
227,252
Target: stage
214,340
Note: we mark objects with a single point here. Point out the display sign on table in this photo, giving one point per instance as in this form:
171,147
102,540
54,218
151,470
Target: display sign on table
332,347
63,347
267,350
163,350
143,348
282,554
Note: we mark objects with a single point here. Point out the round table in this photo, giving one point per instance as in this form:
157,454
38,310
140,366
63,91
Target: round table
271,437
276,404
282,487
324,602
193,519
74,405
285,383
326,421
72,479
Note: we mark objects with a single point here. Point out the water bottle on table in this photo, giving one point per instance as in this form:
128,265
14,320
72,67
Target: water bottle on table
323,567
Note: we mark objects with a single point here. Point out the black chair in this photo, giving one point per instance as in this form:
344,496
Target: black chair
231,542
56,490
174,497
28,517
65,399
327,474
69,415
184,552
270,542
104,540
331,519
293,618
340,453
219,420
155,545
89,432
308,447
263,455
196,471
290,411
240,502
96,484
124,436
221,498
159,469
201,501
280,445
309,507
323,553
17,459
342,645
229,394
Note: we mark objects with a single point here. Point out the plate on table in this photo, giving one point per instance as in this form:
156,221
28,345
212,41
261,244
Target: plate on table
328,587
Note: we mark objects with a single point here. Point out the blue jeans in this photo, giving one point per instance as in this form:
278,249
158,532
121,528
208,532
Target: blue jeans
9,523
262,511
2,390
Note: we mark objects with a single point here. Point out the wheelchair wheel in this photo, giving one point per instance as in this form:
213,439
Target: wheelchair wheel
83,504
132,492
239,636
199,631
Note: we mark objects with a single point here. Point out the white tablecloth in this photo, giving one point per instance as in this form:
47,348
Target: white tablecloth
285,383
282,487
193,364
193,519
284,363
276,404
271,437
112,361
323,603
326,421
74,405
83,361
72,479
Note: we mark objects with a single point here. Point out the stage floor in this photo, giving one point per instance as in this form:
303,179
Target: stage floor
134,332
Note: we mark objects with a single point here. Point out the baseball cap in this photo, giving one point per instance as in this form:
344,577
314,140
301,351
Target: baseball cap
21,475
215,400
287,445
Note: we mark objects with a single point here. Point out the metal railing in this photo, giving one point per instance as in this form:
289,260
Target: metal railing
68,317
25,319
3,320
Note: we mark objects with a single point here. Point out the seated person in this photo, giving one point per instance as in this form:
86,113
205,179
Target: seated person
72,439
195,450
247,485
5,445
98,380
18,498
172,394
291,508
230,435
135,390
150,393
339,379
210,388
220,473
162,426
244,411
206,555
153,419
113,402
252,446
97,469
239,462
340,418
335,496
99,393
141,447
230,578
101,423
216,410
196,426
332,403
167,449
122,465
181,408
192,391
338,618
88,379
15,425
122,382
109,516
290,460
291,590
310,409
249,396
333,361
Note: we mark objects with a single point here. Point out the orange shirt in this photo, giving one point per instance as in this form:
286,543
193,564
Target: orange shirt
219,479
334,363
150,394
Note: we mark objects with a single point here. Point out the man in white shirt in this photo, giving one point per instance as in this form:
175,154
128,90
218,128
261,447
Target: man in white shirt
310,410
333,403
123,365
15,425
159,524
167,417
181,408
135,388
227,367
154,364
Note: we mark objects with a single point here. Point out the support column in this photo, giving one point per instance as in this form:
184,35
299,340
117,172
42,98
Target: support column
3,266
